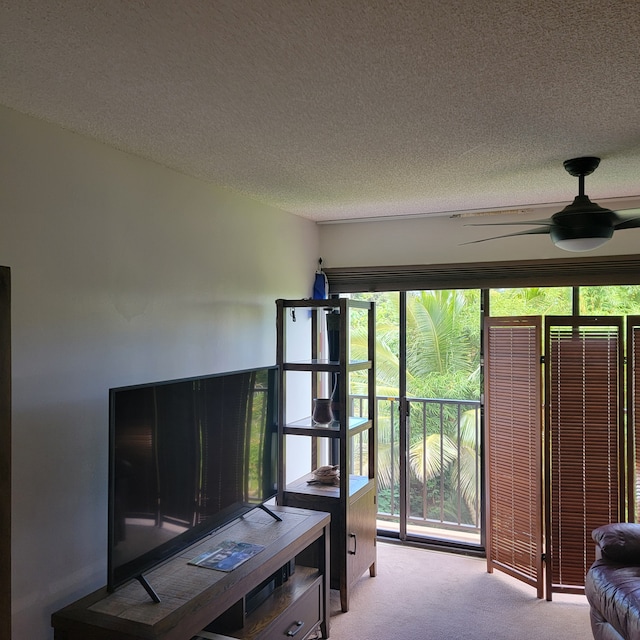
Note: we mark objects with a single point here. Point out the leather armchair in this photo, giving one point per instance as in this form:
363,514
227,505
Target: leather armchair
612,583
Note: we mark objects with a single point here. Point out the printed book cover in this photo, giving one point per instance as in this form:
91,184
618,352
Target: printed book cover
227,556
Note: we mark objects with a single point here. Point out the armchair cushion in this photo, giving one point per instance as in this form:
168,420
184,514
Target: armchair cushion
620,542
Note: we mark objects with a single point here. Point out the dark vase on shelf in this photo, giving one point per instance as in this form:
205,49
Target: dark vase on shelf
322,414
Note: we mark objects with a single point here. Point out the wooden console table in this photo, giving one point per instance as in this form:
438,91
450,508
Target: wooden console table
191,597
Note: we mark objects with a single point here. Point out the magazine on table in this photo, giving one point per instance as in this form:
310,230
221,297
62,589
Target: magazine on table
227,555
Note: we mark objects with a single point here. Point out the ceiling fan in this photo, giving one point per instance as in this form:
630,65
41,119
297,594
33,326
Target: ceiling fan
581,226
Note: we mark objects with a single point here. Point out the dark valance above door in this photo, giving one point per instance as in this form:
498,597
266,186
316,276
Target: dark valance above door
592,270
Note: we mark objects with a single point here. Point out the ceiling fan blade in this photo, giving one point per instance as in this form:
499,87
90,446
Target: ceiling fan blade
546,221
629,223
540,230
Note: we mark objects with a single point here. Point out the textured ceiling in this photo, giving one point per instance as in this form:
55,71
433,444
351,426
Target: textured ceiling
336,109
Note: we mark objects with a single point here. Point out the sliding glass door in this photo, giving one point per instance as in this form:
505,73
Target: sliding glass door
428,407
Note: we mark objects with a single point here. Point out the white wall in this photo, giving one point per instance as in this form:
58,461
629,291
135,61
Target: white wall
122,272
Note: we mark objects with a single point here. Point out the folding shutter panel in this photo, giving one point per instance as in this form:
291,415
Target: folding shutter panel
514,447
633,415
583,442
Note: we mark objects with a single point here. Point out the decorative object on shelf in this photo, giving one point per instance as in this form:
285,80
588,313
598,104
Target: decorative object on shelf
327,474
226,556
320,283
333,342
322,414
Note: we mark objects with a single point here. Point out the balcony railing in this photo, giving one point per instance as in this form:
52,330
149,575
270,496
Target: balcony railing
443,485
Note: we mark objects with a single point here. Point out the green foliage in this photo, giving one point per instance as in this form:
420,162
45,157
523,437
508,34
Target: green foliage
443,343
532,301
427,457
618,300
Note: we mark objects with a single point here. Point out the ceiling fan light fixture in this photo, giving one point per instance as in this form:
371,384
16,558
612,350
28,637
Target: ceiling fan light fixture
581,239
580,244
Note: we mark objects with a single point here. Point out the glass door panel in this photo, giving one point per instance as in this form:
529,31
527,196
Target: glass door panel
428,412
443,418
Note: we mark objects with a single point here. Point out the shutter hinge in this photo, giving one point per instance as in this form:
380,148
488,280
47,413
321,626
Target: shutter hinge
544,557
541,359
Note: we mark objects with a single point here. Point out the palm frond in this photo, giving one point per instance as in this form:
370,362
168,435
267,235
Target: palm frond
386,465
428,458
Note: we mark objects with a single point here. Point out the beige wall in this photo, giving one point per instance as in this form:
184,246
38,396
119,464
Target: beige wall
122,272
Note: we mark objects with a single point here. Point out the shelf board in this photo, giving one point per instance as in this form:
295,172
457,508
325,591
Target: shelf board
301,486
356,425
329,303
328,366
306,427
311,303
304,579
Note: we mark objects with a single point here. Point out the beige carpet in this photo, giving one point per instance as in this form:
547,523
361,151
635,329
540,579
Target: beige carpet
430,595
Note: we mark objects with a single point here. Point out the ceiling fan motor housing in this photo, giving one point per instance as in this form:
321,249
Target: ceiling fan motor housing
585,215
582,225
560,233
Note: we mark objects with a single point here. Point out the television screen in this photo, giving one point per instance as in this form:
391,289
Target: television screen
186,457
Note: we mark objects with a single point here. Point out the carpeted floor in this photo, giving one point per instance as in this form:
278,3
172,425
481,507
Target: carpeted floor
431,595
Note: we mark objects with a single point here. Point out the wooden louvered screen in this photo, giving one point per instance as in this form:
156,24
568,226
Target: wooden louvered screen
514,447
583,442
633,415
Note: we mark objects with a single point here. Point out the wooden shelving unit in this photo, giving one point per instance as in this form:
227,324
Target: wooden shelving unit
293,568
337,361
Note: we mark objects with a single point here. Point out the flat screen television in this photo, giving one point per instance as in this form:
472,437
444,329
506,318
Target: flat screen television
186,457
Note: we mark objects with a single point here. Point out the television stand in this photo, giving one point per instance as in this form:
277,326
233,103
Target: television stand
148,588
266,509
294,565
